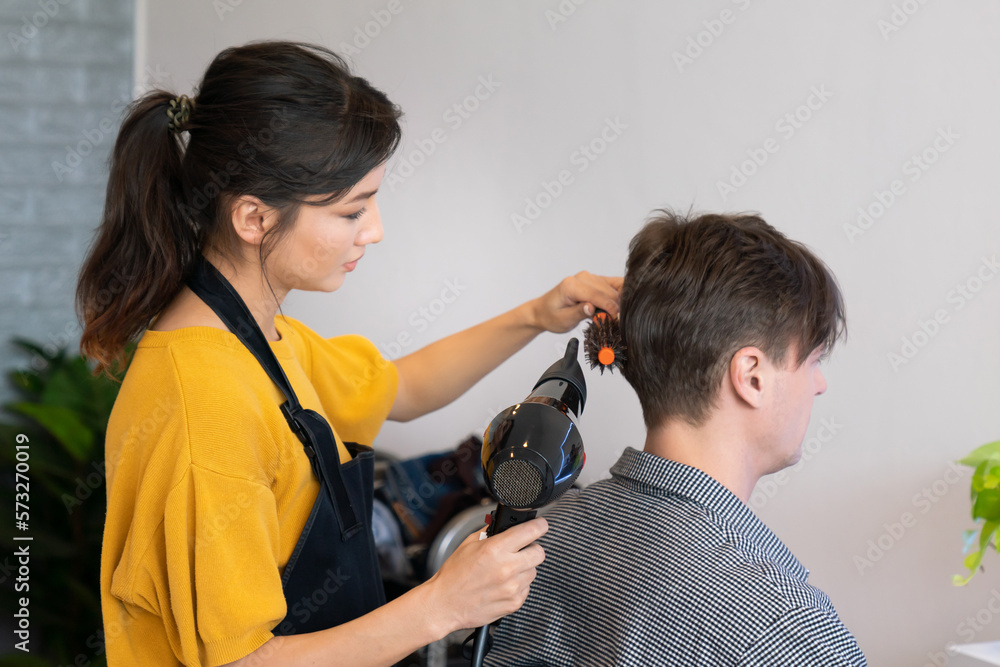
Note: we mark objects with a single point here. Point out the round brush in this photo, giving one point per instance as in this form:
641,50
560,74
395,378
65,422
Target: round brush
603,344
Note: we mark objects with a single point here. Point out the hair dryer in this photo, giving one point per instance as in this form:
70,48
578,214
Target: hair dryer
533,452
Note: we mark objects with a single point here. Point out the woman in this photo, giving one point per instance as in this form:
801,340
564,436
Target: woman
234,535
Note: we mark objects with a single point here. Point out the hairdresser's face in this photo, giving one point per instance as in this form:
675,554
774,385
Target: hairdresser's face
326,242
795,389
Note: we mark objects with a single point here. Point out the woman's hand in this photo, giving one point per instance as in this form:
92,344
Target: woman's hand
575,298
436,375
486,579
479,583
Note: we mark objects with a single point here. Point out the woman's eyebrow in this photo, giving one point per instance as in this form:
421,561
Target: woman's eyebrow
361,195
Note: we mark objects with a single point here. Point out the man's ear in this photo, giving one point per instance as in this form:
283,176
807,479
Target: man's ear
747,375
251,218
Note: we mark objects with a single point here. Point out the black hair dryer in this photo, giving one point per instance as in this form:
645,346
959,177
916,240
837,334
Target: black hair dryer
533,452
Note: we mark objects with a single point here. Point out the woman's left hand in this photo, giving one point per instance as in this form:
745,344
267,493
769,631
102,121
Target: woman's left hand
575,298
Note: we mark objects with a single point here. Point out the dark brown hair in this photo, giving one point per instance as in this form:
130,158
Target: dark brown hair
698,289
280,121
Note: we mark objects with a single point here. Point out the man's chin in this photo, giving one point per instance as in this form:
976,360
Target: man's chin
794,458
788,462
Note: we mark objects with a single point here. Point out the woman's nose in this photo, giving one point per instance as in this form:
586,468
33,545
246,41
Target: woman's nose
372,231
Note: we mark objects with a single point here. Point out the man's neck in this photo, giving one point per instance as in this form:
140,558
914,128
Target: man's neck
718,449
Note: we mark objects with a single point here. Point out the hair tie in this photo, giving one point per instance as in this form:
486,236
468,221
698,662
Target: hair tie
179,111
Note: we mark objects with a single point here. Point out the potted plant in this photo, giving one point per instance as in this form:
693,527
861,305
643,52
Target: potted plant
985,507
58,420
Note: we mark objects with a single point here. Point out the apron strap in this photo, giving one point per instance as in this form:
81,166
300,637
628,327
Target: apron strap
219,295
309,426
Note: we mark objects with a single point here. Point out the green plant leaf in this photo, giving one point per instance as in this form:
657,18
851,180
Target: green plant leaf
991,479
64,387
987,506
973,560
987,534
979,476
73,385
48,459
34,348
959,580
28,383
64,425
980,454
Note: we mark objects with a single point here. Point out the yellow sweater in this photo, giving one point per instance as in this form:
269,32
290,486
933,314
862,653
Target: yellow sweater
208,488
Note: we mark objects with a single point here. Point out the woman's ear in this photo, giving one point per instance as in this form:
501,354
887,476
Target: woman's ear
748,375
251,219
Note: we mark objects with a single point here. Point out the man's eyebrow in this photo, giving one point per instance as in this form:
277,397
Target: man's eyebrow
361,196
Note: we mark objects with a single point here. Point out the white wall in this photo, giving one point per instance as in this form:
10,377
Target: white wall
685,128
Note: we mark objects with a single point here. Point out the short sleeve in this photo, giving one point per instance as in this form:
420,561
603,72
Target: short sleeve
355,383
224,587
805,637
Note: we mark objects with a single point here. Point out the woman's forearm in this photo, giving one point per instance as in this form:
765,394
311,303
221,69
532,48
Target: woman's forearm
436,375
382,637
483,580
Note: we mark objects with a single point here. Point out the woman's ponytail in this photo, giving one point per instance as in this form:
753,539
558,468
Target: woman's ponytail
144,244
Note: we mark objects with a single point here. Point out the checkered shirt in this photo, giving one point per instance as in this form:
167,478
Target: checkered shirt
662,565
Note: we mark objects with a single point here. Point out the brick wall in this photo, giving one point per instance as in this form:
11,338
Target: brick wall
65,76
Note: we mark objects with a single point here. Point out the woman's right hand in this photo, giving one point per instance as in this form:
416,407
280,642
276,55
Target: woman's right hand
486,579
479,583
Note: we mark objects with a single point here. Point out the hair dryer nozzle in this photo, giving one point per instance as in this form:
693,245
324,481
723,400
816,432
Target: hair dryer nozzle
533,451
568,371
572,348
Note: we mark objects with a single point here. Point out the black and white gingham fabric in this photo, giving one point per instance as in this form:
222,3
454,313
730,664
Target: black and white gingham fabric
662,565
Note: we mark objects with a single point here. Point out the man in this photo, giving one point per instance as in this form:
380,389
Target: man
725,322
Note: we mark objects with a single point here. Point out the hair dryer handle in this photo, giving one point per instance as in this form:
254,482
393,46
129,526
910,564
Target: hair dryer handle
501,519
504,517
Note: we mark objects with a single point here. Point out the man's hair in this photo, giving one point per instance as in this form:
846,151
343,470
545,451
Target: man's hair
698,289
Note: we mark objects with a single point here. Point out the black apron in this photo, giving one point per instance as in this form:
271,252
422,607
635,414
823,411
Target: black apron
333,574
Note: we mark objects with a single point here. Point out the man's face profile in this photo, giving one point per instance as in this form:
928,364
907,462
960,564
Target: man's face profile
795,388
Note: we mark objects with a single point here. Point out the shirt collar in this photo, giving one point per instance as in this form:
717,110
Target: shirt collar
654,475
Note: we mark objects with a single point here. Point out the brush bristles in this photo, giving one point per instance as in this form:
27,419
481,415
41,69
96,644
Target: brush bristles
603,333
